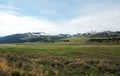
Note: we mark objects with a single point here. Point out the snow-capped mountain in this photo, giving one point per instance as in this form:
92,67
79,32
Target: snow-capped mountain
40,34
30,37
64,35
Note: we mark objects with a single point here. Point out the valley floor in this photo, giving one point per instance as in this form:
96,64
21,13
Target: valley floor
59,60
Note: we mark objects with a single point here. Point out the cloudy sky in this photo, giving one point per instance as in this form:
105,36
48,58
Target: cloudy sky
58,16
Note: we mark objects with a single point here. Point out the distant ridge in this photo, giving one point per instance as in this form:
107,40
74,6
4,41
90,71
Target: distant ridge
31,37
105,36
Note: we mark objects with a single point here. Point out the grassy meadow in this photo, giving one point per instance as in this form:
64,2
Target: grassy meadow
59,59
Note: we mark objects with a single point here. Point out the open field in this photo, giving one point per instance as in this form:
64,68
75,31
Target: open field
59,60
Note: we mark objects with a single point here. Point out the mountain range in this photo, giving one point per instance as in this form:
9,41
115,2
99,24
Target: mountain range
45,37
32,37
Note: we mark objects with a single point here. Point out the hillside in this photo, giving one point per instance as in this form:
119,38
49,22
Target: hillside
31,37
107,37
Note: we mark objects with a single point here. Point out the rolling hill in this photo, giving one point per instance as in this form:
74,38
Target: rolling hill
85,38
31,37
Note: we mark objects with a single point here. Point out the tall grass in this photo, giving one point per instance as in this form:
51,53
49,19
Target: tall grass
59,60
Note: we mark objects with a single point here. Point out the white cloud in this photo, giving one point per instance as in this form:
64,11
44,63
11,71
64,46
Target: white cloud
11,23
109,20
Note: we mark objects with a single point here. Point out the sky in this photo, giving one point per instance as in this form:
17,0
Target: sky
59,16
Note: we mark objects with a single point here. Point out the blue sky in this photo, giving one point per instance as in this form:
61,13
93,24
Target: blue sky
58,16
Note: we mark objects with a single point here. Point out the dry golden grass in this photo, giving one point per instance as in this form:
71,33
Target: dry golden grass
3,65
